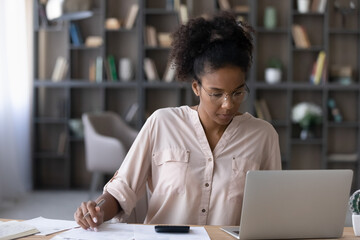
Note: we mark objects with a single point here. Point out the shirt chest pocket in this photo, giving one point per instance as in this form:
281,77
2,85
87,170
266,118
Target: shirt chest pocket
240,166
170,170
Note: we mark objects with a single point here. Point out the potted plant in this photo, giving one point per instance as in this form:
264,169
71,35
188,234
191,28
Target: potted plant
354,204
273,71
307,115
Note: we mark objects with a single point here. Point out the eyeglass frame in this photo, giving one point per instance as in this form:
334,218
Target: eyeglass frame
211,95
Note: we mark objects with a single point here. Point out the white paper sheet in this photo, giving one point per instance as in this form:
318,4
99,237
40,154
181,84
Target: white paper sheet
48,226
120,231
107,231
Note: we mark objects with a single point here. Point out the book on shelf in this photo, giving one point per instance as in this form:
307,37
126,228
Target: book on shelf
62,143
150,70
322,6
131,17
318,73
75,34
258,110
177,4
92,70
107,71
16,229
224,5
241,9
99,69
112,68
151,36
60,69
265,109
169,74
314,7
343,157
130,114
262,110
42,54
184,15
300,36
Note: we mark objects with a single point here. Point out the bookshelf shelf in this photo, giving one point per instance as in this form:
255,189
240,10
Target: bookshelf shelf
55,103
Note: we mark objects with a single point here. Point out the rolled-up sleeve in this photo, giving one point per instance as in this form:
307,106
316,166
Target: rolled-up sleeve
129,183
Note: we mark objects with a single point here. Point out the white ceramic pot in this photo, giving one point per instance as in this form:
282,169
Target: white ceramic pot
125,69
303,6
273,75
356,224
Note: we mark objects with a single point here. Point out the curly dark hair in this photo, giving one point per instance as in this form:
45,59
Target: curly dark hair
204,45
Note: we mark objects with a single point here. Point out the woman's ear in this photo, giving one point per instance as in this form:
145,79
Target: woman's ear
195,87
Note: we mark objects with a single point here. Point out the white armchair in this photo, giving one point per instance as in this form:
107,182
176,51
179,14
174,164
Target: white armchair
107,141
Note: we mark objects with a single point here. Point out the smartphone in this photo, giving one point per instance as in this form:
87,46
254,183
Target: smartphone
172,229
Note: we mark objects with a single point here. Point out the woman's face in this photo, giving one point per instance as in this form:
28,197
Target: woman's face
219,94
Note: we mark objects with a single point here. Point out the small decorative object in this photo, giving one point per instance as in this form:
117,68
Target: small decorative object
93,41
342,74
307,115
76,128
354,205
270,19
303,6
112,24
344,9
125,69
273,72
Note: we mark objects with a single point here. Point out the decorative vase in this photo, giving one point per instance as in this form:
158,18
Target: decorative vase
306,134
273,75
125,69
303,6
356,224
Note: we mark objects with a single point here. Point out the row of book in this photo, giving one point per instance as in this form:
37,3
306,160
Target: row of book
127,23
97,73
152,74
155,39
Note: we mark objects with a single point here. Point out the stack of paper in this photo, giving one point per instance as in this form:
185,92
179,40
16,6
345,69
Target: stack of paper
15,229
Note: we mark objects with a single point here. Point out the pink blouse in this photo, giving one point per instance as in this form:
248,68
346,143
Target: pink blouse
189,183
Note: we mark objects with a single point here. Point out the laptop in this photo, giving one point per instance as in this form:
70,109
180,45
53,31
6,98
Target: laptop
294,204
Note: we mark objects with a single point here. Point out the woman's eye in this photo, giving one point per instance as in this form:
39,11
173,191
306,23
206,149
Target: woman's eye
217,95
238,93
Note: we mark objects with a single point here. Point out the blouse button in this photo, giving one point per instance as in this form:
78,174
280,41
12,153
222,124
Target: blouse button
203,210
206,184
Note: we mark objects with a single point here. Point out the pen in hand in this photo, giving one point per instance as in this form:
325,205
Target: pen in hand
102,201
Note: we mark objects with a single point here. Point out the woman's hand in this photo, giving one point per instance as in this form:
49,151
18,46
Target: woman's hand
97,214
93,219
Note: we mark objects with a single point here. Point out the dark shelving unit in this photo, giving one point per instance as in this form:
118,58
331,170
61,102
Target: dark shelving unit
56,103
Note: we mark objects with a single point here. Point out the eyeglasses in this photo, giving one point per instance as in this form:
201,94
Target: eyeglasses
238,96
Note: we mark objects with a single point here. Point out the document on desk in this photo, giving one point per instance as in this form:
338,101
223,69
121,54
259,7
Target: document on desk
122,231
48,226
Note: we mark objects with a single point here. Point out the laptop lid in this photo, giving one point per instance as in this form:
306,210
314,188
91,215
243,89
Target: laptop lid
295,204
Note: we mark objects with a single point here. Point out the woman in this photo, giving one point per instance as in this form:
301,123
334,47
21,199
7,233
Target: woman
194,159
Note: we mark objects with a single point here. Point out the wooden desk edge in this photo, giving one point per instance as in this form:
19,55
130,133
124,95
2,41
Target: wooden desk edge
214,232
